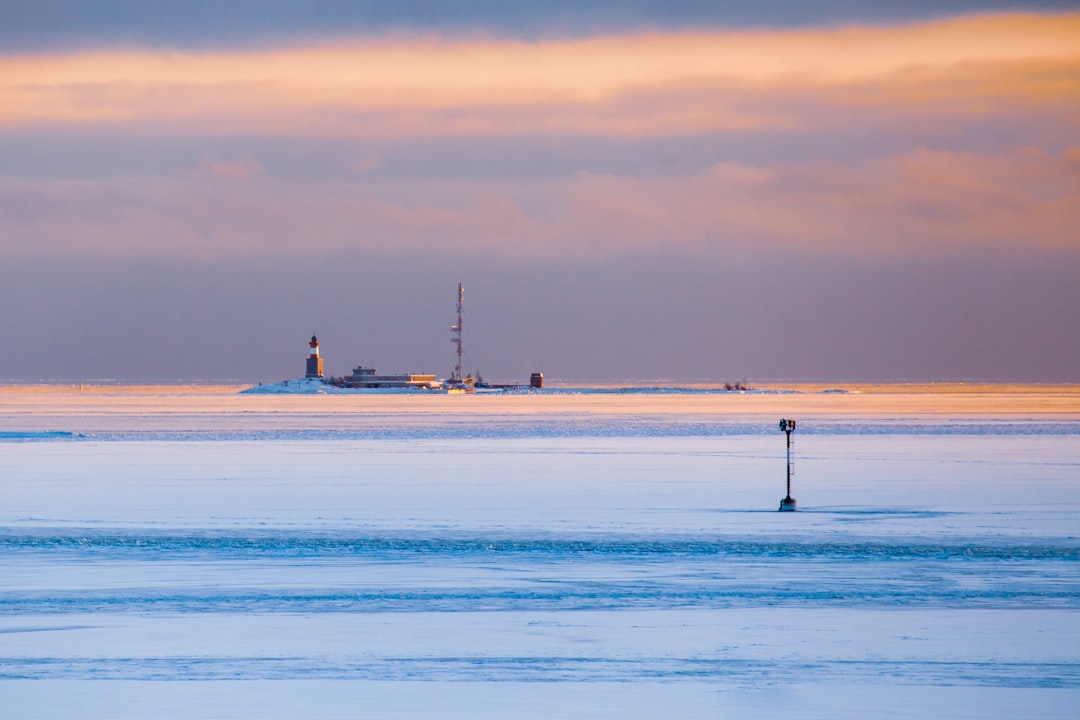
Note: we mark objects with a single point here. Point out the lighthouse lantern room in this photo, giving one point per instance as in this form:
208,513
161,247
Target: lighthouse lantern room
314,361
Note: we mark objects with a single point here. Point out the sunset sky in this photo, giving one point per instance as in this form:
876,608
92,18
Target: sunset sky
628,190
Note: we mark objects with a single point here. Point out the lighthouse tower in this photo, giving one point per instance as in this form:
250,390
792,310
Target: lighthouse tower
314,362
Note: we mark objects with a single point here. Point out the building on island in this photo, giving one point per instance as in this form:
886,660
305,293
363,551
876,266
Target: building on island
369,378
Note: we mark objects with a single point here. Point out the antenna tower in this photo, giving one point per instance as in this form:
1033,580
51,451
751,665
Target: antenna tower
457,332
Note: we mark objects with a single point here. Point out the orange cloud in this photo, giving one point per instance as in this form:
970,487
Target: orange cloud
631,85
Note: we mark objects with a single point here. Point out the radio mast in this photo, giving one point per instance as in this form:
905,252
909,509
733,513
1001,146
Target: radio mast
457,332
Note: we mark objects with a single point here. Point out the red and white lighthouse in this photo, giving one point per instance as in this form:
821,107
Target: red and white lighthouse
314,362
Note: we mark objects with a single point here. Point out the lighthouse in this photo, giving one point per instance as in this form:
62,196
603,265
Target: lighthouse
314,362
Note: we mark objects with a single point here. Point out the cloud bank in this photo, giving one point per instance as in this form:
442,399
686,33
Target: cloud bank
659,83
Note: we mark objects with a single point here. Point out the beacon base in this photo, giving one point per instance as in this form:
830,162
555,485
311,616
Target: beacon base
788,504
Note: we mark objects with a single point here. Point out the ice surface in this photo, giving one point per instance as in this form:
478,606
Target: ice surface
191,554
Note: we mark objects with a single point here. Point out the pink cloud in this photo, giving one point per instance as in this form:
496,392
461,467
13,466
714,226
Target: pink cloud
366,164
914,204
236,170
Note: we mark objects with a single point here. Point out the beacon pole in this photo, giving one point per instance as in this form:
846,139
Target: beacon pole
788,504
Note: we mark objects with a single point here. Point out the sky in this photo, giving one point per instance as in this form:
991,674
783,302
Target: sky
671,191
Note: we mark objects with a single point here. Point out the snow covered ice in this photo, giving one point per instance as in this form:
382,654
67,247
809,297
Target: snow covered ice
196,553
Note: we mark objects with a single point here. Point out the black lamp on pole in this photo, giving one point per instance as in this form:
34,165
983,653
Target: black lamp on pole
788,504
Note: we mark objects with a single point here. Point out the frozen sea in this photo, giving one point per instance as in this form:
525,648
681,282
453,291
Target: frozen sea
189,552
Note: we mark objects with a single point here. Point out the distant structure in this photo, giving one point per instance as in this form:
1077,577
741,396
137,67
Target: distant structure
314,361
456,383
456,329
369,379
788,504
